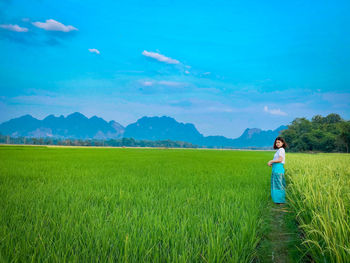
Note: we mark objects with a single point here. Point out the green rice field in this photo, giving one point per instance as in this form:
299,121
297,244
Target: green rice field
319,193
163,205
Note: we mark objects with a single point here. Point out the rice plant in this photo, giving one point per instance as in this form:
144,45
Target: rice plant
131,205
319,192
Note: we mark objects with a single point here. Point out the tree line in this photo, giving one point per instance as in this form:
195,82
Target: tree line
323,134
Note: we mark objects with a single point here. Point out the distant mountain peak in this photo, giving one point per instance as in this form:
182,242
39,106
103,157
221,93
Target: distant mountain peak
75,125
281,128
156,118
249,132
162,128
27,116
49,117
78,126
76,115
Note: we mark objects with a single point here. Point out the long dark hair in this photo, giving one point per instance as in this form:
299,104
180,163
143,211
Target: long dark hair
284,145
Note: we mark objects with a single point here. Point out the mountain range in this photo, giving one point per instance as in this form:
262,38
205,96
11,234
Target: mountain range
78,126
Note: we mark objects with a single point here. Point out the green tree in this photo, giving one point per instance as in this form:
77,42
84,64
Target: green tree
317,119
327,134
344,134
333,118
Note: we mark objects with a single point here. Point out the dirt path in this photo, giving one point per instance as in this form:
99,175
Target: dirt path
281,243
279,235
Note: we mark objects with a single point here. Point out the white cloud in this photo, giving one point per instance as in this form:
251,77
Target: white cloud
147,83
274,111
94,50
187,72
170,83
15,28
160,57
53,25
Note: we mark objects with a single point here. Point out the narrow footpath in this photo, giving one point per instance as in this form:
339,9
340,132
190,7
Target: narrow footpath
281,243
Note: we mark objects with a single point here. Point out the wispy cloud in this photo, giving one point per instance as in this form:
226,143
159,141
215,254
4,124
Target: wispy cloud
54,33
274,111
160,57
148,83
171,83
94,50
15,28
53,25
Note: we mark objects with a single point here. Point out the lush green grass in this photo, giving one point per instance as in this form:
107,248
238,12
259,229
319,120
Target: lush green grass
319,192
151,205
131,205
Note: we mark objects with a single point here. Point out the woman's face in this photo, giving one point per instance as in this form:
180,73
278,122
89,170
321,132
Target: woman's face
279,144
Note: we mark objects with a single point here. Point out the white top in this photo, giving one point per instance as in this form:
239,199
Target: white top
280,152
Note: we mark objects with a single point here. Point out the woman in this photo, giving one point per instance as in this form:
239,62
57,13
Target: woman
278,183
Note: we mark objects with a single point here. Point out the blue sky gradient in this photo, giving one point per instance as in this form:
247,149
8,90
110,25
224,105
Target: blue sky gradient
222,65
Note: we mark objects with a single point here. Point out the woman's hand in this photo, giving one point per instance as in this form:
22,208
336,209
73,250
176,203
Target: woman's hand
269,163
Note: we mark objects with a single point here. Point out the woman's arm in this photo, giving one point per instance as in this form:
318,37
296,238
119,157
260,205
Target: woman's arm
279,160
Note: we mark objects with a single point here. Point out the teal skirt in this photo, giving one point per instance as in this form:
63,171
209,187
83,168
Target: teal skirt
278,183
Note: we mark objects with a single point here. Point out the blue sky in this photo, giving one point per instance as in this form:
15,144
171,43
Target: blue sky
222,65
